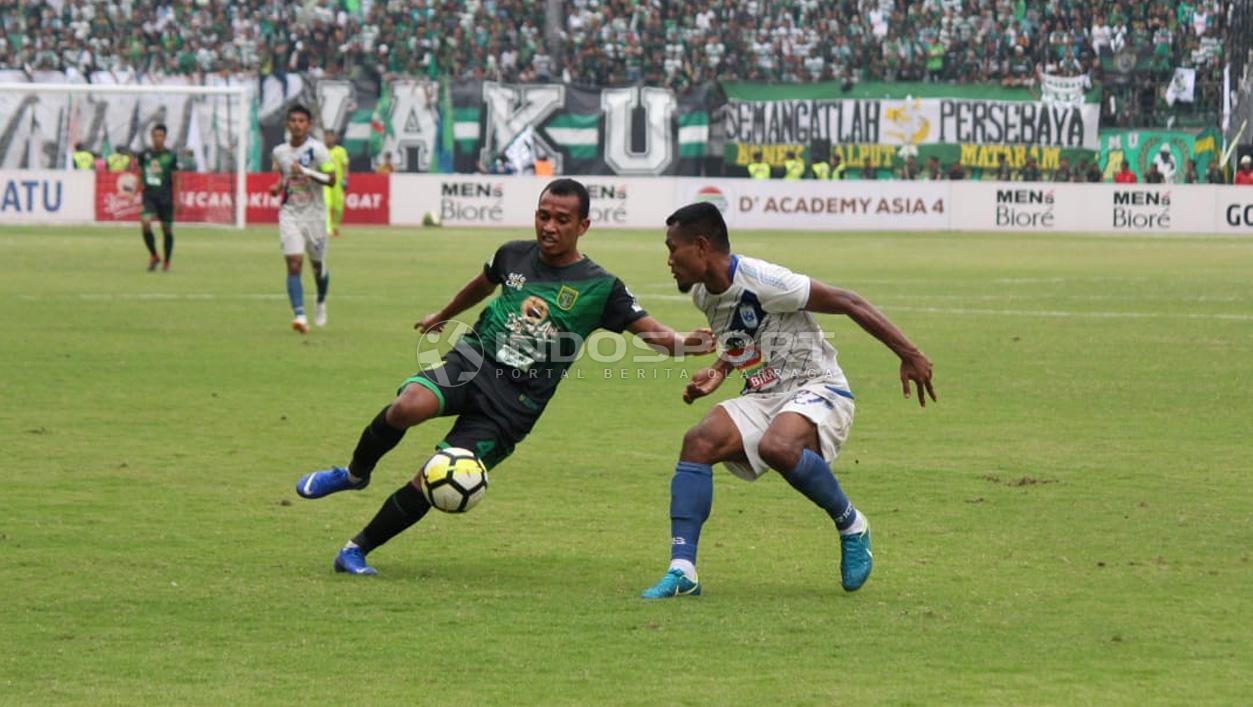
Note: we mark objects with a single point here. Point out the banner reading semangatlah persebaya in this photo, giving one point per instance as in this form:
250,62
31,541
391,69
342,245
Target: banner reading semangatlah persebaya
899,115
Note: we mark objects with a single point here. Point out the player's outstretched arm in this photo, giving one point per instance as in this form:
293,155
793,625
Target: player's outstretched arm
915,366
663,338
474,292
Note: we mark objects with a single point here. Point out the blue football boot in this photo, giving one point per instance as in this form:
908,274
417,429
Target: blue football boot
673,584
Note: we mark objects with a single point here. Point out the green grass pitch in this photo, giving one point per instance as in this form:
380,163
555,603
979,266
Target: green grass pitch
1071,523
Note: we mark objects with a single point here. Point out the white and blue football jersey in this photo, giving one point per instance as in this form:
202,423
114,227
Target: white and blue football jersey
764,330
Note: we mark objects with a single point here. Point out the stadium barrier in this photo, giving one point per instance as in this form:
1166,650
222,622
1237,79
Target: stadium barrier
46,196
475,200
65,197
210,198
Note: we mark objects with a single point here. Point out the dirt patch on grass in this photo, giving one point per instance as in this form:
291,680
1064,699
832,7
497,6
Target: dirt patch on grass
1021,481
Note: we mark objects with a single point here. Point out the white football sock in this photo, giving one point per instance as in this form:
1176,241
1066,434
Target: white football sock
859,525
689,569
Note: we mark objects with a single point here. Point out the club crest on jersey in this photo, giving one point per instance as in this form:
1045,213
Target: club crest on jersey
515,280
306,158
748,315
566,298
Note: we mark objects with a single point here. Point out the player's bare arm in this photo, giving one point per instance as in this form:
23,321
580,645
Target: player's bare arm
282,179
706,381
475,291
915,366
662,338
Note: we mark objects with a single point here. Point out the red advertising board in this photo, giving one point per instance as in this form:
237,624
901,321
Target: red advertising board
210,198
117,196
367,200
204,198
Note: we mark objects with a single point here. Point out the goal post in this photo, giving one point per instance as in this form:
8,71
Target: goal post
191,112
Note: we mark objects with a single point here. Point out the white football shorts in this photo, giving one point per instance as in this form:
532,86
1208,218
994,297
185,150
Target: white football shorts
303,235
831,413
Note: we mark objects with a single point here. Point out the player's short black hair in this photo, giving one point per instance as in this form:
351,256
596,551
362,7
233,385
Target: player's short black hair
566,187
701,219
161,127
297,108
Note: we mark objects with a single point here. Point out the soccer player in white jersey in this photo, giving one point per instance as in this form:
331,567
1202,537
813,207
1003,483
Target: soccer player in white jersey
796,407
304,166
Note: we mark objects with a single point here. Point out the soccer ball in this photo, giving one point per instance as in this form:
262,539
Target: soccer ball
454,480
431,218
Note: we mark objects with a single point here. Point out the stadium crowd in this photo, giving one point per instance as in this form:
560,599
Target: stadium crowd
495,38
961,41
659,42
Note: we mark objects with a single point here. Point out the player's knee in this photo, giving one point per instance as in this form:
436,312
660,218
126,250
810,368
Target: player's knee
411,407
699,447
779,452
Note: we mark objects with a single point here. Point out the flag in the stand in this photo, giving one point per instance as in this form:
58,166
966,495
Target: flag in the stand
254,139
444,135
381,123
195,141
1182,86
521,151
106,147
693,133
217,143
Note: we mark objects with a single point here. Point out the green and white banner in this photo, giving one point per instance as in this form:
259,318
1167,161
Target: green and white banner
895,119
464,126
1169,149
630,131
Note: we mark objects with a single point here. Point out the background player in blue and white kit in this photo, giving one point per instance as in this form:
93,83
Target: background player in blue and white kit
796,407
305,167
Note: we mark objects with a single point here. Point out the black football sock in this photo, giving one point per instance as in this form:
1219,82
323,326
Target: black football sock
169,243
377,439
401,510
151,242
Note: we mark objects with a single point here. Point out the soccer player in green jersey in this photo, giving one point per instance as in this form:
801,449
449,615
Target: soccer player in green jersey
500,375
157,166
335,194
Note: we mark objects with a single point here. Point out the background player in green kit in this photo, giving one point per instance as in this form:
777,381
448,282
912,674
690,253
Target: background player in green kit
498,377
334,194
157,166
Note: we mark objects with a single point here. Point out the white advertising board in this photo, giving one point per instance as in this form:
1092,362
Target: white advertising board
47,196
823,206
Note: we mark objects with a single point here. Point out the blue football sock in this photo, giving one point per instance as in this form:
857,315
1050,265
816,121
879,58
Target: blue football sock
691,497
814,478
296,293
324,284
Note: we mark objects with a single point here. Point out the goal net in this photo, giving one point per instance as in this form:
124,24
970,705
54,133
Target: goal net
208,128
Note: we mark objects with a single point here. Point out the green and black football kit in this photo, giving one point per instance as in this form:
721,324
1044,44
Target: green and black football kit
157,170
498,377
